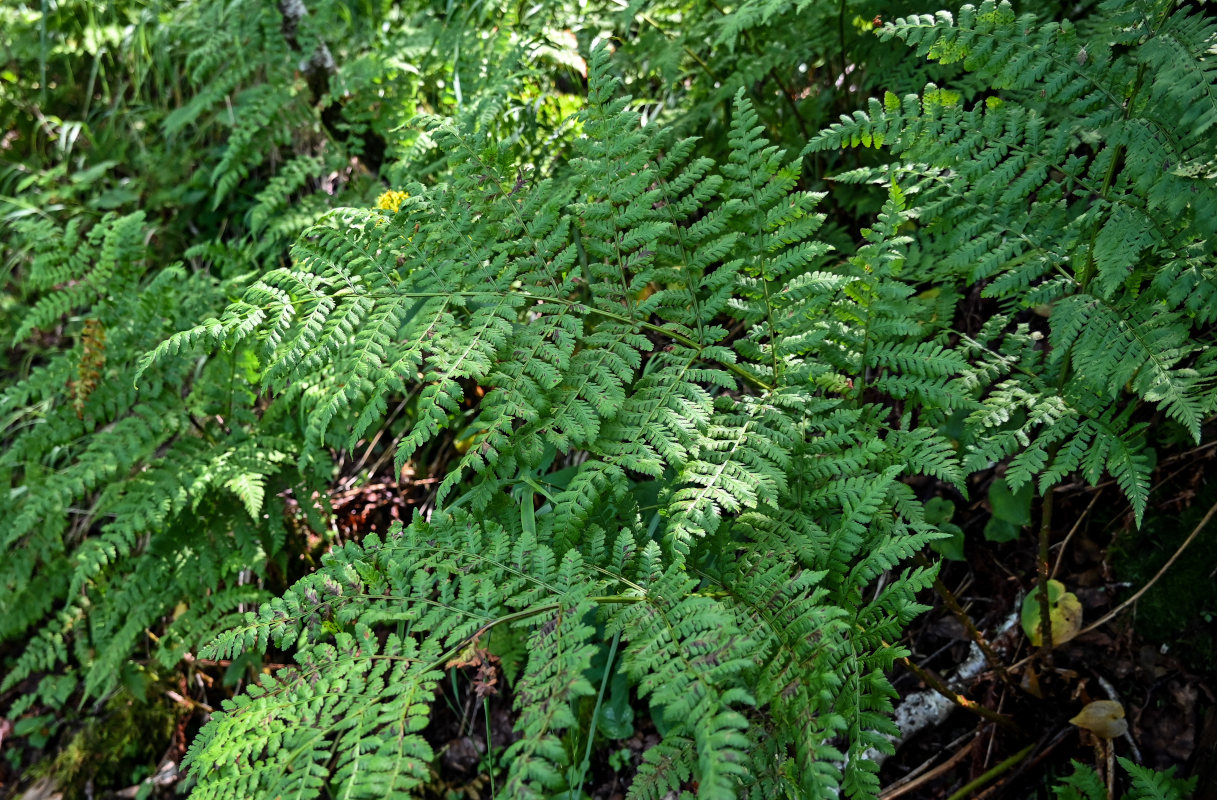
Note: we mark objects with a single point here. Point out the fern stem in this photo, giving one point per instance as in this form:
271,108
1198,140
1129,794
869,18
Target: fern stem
680,338
1110,177
517,616
773,345
680,238
1006,360
860,385
773,349
1042,568
504,191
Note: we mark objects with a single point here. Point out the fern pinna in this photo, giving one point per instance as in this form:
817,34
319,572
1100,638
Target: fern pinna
674,450
1058,185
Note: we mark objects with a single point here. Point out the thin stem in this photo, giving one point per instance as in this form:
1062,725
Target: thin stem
489,747
1042,568
43,52
647,18
1115,611
841,35
591,732
1110,751
860,383
453,651
992,774
974,633
794,108
1060,556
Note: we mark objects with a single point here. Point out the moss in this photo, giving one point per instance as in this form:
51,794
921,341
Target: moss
117,748
1180,609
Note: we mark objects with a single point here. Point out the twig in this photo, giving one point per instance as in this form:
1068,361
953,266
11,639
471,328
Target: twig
929,707
1029,764
898,789
1137,596
992,774
974,633
1064,544
188,702
939,685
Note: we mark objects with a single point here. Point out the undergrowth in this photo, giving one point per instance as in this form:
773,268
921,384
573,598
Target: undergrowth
667,307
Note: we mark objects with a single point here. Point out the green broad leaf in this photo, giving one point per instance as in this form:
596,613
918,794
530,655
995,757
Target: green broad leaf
38,729
1011,511
938,512
616,720
1013,507
998,530
951,549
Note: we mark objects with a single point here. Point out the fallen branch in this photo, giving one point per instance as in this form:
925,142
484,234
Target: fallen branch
931,707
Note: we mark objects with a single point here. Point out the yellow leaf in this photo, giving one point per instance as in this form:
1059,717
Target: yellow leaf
1064,610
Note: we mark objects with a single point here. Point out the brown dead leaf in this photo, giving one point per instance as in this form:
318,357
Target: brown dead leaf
1103,718
486,679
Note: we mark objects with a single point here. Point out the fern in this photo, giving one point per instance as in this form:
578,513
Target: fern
95,596
1147,784
675,401
548,296
1063,191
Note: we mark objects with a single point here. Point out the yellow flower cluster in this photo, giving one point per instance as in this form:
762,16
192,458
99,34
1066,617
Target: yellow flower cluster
391,200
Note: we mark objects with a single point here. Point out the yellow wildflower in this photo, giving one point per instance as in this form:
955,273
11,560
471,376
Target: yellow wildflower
391,200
